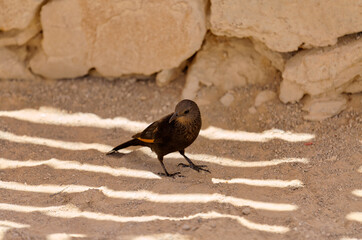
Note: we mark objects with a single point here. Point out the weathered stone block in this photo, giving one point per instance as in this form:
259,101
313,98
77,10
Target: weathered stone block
12,64
118,37
19,37
17,14
324,107
329,70
227,63
286,25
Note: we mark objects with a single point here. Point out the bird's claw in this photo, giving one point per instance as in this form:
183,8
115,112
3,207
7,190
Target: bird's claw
111,152
195,167
173,175
115,154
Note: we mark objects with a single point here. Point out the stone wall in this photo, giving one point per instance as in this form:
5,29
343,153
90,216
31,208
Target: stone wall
314,46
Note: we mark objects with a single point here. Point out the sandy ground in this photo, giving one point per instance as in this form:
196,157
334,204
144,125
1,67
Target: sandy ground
82,193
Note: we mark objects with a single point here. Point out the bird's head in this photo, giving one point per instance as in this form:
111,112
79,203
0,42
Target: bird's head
185,111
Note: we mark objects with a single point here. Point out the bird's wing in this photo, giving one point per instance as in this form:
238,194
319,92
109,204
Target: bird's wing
152,134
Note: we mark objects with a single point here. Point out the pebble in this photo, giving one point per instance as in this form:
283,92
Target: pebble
264,96
252,110
246,211
227,99
186,227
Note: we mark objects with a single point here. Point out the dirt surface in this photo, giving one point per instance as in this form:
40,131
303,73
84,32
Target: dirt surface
41,201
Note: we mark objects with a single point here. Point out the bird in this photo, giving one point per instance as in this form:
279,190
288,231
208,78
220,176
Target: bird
172,133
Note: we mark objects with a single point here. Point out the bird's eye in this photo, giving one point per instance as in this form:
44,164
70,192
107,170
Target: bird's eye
187,111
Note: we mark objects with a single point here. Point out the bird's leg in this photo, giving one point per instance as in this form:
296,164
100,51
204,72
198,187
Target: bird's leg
191,164
164,169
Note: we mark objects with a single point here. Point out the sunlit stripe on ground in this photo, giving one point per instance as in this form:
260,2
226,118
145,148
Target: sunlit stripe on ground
355,216
54,143
54,116
73,165
13,224
64,236
234,163
150,196
79,146
5,226
357,192
160,236
347,238
261,182
48,115
70,211
222,134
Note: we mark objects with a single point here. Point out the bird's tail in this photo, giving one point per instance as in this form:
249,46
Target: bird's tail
133,142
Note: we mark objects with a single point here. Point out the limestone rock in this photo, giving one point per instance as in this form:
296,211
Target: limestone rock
355,86
12,64
264,96
324,107
17,14
328,70
118,37
277,59
154,35
166,76
65,46
290,92
19,37
285,25
227,63
58,67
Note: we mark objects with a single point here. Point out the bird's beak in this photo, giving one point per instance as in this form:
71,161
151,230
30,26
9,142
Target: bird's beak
173,117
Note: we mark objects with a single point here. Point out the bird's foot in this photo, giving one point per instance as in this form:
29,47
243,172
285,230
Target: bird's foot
195,167
111,152
116,154
173,175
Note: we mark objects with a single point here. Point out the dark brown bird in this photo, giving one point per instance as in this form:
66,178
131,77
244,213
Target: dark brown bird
172,133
